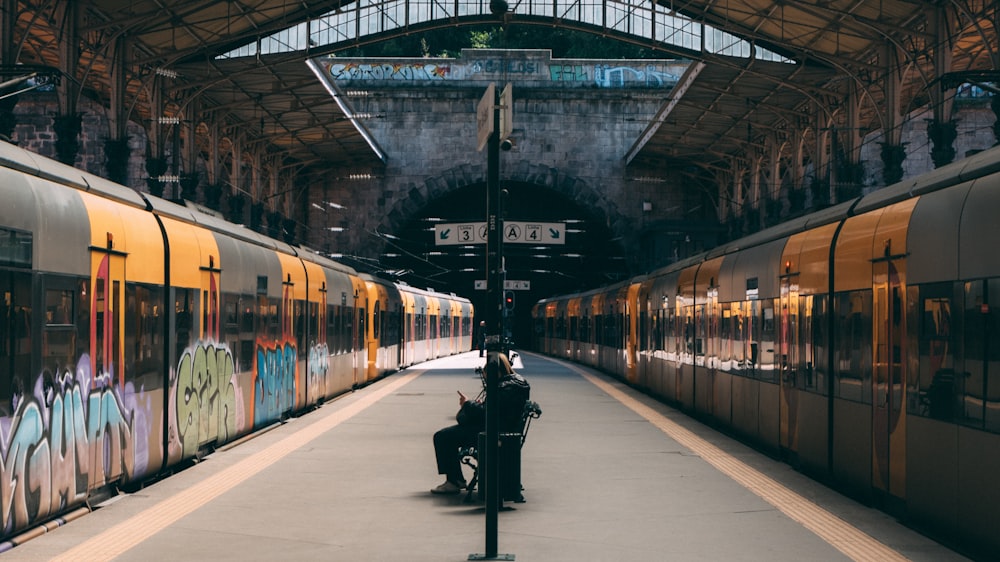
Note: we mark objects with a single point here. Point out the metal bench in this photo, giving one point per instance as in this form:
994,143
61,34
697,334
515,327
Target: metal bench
510,472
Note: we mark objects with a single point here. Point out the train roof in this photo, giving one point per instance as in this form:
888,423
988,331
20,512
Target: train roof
40,166
967,169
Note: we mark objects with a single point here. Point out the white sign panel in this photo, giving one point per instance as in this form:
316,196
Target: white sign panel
508,285
514,232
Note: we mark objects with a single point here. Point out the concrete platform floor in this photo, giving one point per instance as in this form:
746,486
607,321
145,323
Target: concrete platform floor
609,475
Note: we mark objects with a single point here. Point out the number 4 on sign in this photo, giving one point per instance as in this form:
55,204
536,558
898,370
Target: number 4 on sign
533,232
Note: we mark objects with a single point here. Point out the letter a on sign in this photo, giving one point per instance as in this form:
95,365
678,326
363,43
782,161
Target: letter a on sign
513,233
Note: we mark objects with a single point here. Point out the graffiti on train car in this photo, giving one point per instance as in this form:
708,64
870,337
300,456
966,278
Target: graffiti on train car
206,396
69,431
274,387
317,369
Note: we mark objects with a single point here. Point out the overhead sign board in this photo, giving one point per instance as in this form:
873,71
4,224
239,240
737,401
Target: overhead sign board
514,232
508,285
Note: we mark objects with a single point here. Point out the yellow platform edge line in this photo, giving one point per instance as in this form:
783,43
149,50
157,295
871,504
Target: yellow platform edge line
849,540
118,539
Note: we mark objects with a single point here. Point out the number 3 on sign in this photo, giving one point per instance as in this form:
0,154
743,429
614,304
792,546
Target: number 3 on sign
465,233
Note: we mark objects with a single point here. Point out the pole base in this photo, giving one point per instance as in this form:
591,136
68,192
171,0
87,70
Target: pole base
488,557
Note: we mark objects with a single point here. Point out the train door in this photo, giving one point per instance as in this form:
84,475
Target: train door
358,341
211,280
400,339
632,333
889,376
107,305
788,347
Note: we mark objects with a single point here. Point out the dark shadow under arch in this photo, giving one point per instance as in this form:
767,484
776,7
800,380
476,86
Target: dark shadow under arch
593,255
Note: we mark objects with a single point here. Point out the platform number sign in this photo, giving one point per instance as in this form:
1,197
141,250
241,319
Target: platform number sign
466,233
514,232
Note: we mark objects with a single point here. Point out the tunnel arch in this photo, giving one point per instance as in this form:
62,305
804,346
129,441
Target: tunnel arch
574,189
595,252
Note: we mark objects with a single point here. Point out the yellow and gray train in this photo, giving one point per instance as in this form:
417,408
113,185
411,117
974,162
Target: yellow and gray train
861,343
136,334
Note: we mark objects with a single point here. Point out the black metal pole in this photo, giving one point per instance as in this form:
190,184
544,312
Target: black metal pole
494,323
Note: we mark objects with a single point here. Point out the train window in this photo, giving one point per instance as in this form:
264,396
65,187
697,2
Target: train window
376,319
230,307
59,336
768,343
247,333
643,331
15,248
359,343
299,326
15,338
975,331
59,306
270,312
185,310
701,326
738,337
143,331
247,316
315,323
853,355
725,337
814,342
333,329
977,387
991,404
935,392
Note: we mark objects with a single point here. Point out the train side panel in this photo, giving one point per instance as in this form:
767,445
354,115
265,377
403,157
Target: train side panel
859,343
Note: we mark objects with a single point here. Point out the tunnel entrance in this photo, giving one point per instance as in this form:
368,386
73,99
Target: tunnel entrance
591,256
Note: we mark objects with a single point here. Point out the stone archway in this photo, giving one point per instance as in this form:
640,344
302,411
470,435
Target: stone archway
573,188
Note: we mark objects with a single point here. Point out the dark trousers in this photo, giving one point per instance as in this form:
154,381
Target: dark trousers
447,442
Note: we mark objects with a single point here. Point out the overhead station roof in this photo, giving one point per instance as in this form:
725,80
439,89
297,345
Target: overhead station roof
276,100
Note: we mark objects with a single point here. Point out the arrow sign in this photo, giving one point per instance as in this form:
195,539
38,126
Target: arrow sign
515,232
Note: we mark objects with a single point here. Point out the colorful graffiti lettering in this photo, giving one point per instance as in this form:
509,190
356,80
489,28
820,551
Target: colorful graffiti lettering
491,66
318,367
607,76
274,387
568,73
389,71
70,435
205,396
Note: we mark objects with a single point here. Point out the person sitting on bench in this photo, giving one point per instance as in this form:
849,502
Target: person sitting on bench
513,393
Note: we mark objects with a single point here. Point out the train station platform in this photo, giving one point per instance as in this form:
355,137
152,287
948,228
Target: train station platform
608,473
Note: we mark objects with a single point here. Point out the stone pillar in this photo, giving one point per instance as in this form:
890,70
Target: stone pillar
116,156
189,186
7,119
892,158
155,167
942,129
67,128
893,149
942,137
995,106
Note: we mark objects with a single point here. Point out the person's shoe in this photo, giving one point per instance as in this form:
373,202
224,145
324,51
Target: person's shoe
449,487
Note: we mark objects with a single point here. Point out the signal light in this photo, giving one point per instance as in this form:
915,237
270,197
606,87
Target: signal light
508,300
